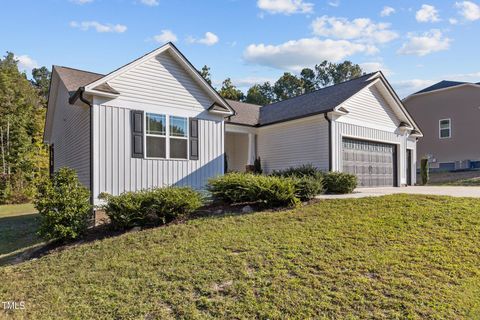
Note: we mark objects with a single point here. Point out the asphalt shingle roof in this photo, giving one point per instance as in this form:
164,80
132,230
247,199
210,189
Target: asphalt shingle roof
74,78
441,85
245,113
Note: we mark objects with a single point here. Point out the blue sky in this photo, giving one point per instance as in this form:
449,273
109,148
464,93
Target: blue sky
414,43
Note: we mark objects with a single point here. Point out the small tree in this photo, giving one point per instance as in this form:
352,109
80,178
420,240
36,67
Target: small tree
64,206
424,171
257,166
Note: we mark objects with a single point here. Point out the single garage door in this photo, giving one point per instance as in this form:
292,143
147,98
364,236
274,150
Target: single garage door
374,163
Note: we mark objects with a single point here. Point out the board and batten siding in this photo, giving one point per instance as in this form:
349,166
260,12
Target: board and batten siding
72,136
116,171
294,143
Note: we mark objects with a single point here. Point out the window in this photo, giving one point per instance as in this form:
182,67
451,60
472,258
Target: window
156,135
159,140
178,138
445,128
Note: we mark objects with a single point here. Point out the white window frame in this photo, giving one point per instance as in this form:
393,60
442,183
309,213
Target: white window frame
167,137
449,128
176,137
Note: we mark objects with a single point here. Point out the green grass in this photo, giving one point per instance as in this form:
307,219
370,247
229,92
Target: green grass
18,227
472,182
392,257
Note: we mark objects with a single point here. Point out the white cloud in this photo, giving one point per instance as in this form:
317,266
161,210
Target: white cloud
428,42
296,54
81,1
99,27
469,10
150,3
362,29
165,36
375,66
334,3
26,63
285,6
209,39
407,87
453,21
427,13
387,11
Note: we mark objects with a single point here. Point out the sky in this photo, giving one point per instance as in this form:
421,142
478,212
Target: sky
414,43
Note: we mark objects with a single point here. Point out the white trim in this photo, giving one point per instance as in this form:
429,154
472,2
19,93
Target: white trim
449,128
102,94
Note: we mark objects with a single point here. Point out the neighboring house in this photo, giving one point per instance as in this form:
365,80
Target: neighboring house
448,113
157,122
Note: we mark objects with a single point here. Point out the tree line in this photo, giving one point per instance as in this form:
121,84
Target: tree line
23,156
289,85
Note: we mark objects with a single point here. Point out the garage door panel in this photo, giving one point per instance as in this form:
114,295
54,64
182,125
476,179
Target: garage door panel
373,163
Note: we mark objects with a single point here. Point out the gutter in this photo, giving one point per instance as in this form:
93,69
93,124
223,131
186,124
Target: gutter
79,95
329,141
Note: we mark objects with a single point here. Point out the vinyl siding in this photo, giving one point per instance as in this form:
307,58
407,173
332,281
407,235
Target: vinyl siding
369,108
161,82
118,172
294,143
71,136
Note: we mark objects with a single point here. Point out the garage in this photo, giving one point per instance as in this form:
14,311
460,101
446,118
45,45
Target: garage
374,163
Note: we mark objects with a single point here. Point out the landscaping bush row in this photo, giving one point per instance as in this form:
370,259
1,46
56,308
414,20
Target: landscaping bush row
162,205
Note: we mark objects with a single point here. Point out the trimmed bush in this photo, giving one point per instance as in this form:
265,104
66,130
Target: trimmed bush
131,209
308,187
64,206
127,209
266,191
340,182
172,203
301,171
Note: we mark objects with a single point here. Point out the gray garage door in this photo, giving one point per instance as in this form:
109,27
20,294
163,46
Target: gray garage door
373,163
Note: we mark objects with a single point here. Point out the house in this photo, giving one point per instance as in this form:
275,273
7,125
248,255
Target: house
157,122
448,113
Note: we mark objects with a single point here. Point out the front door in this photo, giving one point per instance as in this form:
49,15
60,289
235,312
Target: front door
409,167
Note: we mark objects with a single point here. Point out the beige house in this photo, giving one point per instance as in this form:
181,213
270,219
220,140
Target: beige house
448,114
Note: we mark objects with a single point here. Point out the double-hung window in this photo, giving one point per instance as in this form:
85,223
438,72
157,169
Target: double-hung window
445,128
163,143
178,138
156,135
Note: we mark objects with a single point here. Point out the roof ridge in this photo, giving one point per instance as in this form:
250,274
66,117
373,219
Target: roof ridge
327,87
76,69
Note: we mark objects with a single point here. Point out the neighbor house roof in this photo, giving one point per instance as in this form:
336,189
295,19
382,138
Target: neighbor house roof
319,101
74,78
440,85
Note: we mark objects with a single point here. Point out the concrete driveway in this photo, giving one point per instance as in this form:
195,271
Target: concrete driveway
431,190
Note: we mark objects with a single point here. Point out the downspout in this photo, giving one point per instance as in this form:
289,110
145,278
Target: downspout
88,103
329,141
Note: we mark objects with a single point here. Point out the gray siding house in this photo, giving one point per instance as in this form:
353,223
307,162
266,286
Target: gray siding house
156,122
448,113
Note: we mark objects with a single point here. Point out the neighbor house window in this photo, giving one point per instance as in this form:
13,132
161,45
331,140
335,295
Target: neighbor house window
178,138
445,128
156,138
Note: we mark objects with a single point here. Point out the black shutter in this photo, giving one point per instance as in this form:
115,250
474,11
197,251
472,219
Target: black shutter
137,133
194,143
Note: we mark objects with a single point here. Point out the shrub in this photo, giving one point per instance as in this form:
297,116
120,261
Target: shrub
340,182
171,203
127,209
131,209
267,191
64,206
308,187
301,171
424,171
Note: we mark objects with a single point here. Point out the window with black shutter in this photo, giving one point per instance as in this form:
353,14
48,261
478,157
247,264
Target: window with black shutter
137,133
194,142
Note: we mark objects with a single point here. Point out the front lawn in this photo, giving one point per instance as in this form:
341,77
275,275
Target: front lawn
18,227
399,256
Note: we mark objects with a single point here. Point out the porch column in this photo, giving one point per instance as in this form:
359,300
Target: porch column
251,149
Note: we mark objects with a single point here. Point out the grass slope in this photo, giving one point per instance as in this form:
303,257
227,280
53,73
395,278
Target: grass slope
398,256
18,226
